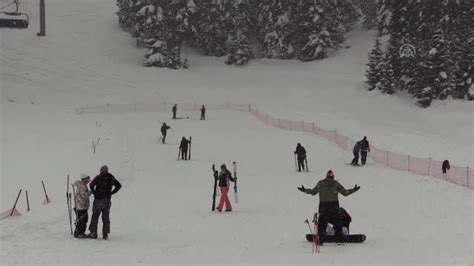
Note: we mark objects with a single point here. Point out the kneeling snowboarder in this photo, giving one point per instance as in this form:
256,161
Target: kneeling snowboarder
328,190
82,203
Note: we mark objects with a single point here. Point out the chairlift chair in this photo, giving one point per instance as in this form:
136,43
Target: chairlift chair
14,20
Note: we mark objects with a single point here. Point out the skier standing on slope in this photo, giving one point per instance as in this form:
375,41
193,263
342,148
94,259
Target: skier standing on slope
364,149
203,112
164,131
355,151
328,190
103,187
300,156
183,147
174,110
82,204
223,179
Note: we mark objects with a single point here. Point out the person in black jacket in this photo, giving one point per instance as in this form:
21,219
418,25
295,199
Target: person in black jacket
183,148
164,131
174,110
445,167
364,150
203,112
102,187
224,178
300,156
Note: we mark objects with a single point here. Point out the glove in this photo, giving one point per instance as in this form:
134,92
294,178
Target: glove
302,189
356,188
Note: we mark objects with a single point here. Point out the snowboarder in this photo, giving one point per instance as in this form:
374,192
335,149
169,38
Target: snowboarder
82,203
102,187
300,156
175,110
345,222
203,112
328,190
183,147
224,178
445,167
355,151
164,131
364,149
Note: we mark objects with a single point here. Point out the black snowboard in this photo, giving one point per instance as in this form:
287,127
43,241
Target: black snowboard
347,238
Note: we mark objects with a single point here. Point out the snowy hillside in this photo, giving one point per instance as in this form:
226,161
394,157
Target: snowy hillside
162,214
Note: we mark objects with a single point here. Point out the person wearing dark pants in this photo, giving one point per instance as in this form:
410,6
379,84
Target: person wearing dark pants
174,110
164,131
203,112
81,200
356,151
300,156
364,150
103,187
328,190
183,147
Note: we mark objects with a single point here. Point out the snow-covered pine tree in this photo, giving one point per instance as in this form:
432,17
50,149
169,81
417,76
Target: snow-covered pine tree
212,31
239,20
375,67
240,50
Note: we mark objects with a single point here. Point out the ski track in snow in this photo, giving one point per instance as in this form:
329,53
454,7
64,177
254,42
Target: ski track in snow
162,214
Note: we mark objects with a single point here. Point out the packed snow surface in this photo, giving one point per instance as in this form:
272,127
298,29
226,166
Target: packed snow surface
162,214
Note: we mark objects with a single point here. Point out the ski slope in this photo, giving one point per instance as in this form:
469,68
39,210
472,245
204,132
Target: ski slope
162,214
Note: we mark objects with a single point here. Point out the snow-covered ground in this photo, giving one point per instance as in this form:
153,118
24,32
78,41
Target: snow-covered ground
162,215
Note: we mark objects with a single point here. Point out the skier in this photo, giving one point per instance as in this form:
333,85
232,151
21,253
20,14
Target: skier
328,190
364,149
175,110
164,131
224,178
203,112
301,156
183,147
355,151
82,204
445,167
103,187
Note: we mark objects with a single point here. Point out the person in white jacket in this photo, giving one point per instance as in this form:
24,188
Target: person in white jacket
82,203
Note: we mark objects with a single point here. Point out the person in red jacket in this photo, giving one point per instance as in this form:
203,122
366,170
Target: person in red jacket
102,187
224,178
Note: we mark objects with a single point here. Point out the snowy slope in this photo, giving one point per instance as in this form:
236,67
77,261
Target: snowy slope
162,215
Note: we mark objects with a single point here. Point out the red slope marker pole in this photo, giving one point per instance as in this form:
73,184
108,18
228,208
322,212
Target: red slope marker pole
27,201
45,194
16,201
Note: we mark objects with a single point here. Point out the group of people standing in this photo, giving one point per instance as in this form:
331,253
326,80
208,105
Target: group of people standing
103,186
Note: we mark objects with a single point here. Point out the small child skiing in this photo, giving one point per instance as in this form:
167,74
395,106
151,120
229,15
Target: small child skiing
223,178
82,203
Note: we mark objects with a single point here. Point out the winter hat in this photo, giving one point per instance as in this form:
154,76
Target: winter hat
223,166
104,169
84,177
330,174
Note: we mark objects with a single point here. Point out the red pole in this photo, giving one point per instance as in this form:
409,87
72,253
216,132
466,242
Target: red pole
27,201
16,201
45,193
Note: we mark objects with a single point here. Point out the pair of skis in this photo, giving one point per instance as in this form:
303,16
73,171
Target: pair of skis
315,235
214,194
189,150
69,200
305,163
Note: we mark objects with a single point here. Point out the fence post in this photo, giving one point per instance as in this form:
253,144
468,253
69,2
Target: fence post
429,167
335,136
467,177
314,128
46,200
16,201
387,158
409,169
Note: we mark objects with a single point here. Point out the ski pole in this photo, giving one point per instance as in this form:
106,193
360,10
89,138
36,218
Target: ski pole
296,163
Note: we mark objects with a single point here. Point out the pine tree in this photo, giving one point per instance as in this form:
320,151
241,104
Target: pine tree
212,32
375,67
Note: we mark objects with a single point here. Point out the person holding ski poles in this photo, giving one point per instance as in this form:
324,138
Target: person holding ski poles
82,203
183,148
364,150
300,156
328,190
103,187
223,178
164,131
203,112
